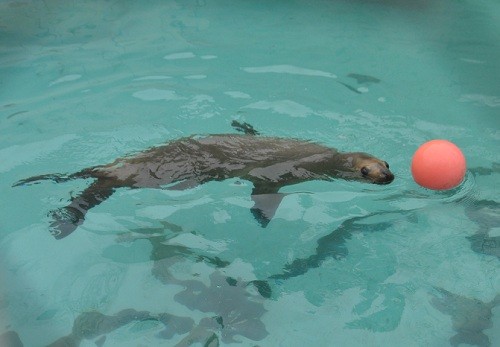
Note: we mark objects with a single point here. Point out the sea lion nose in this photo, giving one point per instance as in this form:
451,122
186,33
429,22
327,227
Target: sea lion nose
388,176
385,177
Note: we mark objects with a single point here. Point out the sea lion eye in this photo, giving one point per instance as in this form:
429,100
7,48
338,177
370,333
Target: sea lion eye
386,164
365,171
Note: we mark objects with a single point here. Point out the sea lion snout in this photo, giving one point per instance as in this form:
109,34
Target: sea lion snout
376,171
378,174
385,177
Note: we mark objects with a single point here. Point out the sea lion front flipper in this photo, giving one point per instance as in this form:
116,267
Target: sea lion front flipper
266,201
67,219
265,207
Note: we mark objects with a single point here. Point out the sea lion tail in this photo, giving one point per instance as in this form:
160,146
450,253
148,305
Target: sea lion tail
244,127
57,178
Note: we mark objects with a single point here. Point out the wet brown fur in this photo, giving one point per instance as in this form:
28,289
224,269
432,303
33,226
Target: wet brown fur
268,162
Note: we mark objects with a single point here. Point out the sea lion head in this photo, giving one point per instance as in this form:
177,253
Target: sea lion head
364,167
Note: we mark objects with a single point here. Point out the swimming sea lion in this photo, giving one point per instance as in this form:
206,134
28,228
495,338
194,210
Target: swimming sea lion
268,162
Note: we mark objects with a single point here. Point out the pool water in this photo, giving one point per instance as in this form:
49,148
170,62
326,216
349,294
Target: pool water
340,264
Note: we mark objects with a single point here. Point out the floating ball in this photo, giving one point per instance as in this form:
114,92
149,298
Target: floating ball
438,165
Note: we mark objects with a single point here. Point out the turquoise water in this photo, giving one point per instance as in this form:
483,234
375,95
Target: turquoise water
341,264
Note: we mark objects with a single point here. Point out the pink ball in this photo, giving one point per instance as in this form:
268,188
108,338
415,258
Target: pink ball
438,165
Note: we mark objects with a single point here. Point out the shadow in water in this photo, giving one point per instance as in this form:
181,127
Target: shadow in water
10,339
470,317
231,310
332,245
95,325
232,307
486,213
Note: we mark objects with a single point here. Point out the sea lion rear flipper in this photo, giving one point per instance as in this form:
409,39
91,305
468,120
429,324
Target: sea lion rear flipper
57,178
67,219
267,200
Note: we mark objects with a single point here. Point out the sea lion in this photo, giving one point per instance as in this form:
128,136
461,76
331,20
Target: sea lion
268,162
